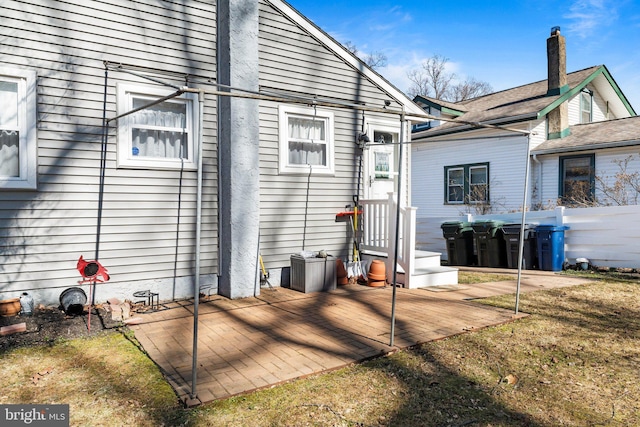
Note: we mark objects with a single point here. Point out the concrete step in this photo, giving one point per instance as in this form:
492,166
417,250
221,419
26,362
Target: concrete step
425,259
431,276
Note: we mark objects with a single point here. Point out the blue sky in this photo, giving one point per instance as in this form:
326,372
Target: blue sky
502,42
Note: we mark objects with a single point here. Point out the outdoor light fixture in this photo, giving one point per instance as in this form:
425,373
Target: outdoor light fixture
90,270
362,139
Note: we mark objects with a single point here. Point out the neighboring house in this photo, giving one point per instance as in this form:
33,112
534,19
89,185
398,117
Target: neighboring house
581,126
203,181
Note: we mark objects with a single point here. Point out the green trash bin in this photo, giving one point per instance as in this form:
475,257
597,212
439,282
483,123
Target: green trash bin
490,246
459,238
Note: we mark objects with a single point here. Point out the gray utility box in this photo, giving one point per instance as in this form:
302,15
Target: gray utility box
313,274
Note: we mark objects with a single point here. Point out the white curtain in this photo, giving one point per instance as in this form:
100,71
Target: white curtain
170,144
307,141
9,134
9,154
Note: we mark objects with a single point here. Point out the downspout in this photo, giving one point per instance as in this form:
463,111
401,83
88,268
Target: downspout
539,167
196,285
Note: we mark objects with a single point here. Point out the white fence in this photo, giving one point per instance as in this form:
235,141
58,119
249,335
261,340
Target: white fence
606,236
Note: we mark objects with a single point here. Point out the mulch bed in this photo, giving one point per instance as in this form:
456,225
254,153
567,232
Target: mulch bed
50,324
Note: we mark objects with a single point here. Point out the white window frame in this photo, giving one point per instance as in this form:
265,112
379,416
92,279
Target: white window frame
586,106
27,128
326,117
126,159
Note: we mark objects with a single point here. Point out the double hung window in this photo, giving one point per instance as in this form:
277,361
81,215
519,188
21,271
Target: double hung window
467,184
577,179
18,143
306,140
160,136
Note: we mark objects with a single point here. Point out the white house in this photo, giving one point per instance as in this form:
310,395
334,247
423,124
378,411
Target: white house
572,129
175,142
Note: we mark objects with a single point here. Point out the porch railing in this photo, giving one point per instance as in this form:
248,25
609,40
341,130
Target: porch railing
379,228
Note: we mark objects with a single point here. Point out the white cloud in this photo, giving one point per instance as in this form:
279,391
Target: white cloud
587,16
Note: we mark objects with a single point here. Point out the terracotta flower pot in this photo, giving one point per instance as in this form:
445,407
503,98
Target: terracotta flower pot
377,270
376,283
341,271
10,307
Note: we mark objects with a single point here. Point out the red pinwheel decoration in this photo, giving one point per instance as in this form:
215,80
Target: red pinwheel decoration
90,270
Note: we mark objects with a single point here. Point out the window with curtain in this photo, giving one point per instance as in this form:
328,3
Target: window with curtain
159,136
306,140
467,184
17,129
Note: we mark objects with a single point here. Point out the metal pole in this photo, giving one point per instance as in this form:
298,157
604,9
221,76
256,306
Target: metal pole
397,236
196,290
522,222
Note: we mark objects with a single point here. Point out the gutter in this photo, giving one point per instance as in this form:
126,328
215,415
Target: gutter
593,146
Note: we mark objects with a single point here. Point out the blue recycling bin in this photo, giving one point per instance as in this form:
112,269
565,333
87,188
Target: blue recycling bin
551,246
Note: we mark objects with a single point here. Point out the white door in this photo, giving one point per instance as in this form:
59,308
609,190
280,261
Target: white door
381,165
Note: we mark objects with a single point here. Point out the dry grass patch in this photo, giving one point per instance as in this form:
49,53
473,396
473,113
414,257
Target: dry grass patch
106,380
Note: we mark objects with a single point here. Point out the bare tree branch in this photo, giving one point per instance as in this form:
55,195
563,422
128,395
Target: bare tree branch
373,60
433,80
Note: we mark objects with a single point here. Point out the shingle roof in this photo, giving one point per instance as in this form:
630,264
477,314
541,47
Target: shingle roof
507,105
595,135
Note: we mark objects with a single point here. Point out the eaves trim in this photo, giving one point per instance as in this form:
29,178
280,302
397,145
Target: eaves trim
565,96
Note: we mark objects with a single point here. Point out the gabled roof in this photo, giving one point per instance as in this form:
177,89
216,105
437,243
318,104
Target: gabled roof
342,52
528,102
596,135
445,107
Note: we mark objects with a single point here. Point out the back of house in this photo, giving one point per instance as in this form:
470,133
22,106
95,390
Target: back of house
121,143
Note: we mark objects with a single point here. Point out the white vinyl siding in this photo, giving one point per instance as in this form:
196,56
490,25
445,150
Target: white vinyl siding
606,162
148,217
505,155
18,143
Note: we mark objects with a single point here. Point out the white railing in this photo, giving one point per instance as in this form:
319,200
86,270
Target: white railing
379,230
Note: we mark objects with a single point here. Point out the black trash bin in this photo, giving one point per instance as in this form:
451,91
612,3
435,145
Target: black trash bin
490,246
459,238
511,235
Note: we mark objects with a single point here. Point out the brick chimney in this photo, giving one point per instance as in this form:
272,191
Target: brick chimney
558,119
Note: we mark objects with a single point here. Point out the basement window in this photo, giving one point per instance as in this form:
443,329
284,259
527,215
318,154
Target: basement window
306,141
160,136
18,143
